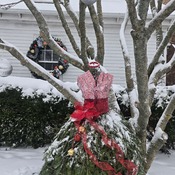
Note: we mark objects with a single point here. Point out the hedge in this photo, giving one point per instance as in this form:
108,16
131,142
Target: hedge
33,120
30,120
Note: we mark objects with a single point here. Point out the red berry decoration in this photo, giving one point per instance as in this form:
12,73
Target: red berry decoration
77,137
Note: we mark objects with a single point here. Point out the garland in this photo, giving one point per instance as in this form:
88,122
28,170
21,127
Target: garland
35,53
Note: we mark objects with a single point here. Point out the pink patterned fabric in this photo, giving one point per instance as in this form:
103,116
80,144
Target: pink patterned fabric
86,84
92,89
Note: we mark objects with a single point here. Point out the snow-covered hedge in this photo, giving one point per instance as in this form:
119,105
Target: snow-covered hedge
31,110
30,115
161,99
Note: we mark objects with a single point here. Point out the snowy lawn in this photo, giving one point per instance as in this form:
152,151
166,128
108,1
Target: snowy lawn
21,161
29,162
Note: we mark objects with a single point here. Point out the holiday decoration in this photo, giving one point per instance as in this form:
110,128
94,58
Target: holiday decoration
41,53
95,91
94,64
71,152
94,151
88,2
89,143
77,137
5,68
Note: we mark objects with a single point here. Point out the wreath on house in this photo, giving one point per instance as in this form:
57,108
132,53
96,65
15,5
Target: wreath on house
41,53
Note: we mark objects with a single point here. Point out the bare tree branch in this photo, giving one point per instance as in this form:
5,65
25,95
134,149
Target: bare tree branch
159,5
43,1
58,84
128,72
159,18
82,26
66,27
9,5
132,13
161,48
73,16
99,34
44,30
143,7
100,13
153,7
159,33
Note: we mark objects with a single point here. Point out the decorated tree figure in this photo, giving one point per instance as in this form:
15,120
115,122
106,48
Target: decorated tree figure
95,140
92,137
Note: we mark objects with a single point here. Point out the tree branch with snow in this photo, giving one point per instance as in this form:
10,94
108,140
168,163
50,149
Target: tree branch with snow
58,84
161,48
161,70
160,136
141,91
44,31
159,18
128,71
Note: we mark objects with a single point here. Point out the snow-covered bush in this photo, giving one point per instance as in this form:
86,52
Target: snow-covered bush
30,119
161,99
32,116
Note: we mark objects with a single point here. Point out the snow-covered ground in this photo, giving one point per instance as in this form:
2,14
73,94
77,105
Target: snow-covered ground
163,164
21,161
29,162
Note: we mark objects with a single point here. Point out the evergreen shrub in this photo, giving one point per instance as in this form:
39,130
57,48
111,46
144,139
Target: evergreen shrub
34,121
162,97
30,120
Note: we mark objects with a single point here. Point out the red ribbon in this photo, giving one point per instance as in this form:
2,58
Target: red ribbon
89,111
102,165
130,166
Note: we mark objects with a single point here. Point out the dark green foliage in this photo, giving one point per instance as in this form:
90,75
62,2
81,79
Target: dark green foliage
58,162
29,121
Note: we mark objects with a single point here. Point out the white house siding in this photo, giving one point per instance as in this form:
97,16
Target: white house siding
19,28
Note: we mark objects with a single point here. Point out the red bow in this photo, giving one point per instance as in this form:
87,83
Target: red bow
87,111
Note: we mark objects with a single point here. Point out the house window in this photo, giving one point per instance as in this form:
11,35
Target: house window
48,60
41,53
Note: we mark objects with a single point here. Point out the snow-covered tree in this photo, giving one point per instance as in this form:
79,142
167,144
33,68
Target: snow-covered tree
108,144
